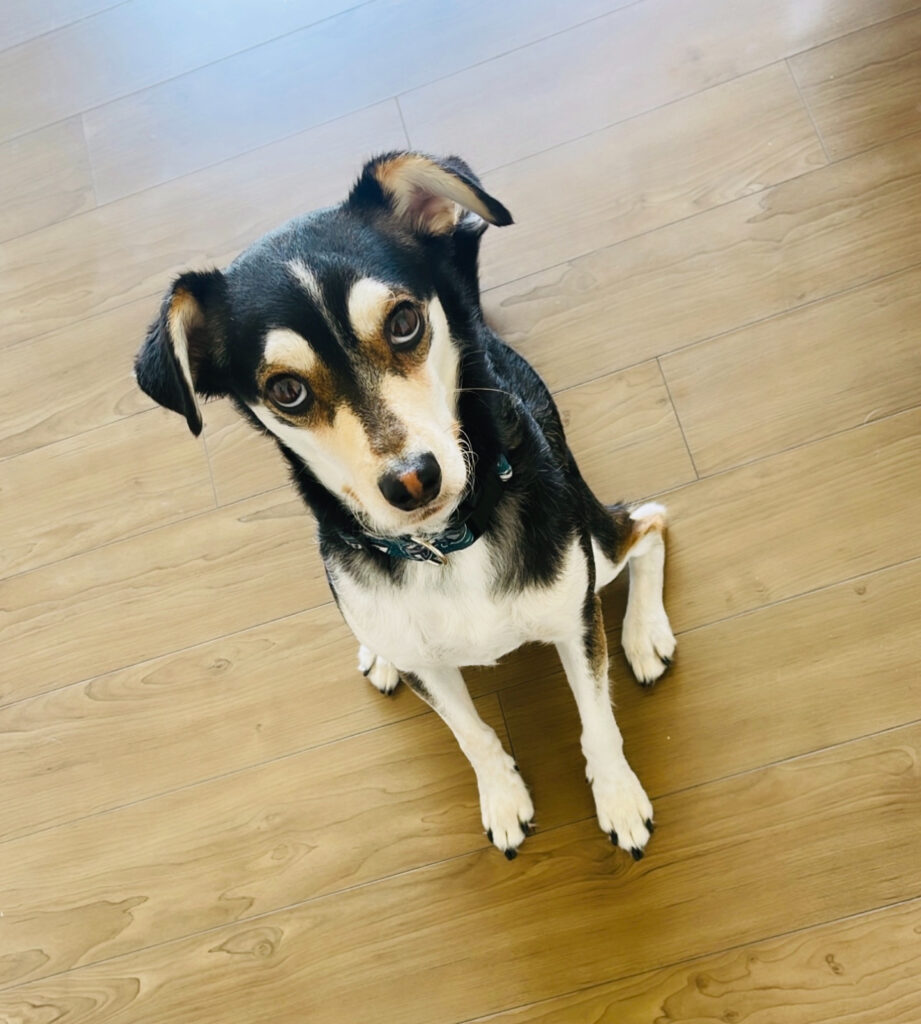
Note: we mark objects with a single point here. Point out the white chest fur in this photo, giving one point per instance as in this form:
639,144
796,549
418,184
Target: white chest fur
452,615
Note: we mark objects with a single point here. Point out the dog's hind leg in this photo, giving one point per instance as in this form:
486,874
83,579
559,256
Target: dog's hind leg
623,809
647,637
381,674
637,539
505,803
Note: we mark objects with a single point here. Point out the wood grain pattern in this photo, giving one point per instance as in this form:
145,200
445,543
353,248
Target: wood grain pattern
164,590
862,970
823,232
133,45
87,366
863,89
304,79
624,434
583,912
44,177
725,707
796,521
127,250
108,484
671,163
243,461
269,830
790,367
617,67
257,695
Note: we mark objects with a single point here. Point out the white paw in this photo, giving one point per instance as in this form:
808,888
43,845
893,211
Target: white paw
505,805
624,810
649,643
381,674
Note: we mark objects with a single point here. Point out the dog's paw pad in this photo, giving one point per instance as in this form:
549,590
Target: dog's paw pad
506,807
380,674
649,645
624,810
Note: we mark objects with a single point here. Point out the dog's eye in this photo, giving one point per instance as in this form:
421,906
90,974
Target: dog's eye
288,392
404,326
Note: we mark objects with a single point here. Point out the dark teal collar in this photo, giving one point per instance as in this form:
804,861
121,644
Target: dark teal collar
468,525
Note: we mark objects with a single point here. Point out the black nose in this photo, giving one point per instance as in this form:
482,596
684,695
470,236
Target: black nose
412,483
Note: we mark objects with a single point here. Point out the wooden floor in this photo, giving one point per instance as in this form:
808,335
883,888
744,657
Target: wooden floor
206,815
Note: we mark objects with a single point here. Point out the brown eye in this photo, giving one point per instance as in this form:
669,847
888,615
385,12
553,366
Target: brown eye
404,326
288,392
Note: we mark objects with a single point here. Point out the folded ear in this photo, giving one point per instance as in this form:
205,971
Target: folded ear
423,194
183,348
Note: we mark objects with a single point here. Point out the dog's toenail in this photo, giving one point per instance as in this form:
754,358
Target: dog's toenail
614,838
649,826
636,853
489,834
510,854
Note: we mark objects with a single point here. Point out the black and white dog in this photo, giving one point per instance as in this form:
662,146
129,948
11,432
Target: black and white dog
453,522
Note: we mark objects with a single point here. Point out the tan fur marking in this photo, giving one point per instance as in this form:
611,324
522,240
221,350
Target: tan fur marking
425,194
656,523
598,650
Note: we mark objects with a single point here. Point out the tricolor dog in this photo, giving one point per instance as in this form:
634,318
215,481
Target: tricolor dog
452,519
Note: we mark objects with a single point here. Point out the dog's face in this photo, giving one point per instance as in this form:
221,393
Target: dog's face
330,331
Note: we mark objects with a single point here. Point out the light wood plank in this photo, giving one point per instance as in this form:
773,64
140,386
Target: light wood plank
824,232
107,483
131,46
205,711
345,814
621,427
164,590
583,913
776,683
24,19
790,369
616,67
673,162
44,177
212,214
623,432
74,379
243,461
803,519
304,79
862,970
863,89
127,250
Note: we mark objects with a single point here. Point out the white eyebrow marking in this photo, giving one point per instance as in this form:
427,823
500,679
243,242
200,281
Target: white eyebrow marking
288,348
367,300
306,277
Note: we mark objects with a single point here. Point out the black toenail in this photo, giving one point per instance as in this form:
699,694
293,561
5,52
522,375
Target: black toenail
489,834
526,827
636,853
614,838
649,825
366,672
511,854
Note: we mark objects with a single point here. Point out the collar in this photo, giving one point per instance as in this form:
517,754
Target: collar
467,525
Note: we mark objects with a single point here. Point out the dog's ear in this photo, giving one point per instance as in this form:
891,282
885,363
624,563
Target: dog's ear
425,195
179,357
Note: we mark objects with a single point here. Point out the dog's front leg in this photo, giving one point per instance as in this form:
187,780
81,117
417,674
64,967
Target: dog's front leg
505,803
624,810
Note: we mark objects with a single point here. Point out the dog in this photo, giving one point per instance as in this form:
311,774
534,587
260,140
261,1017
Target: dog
453,522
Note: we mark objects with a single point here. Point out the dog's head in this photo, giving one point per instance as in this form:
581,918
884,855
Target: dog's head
330,331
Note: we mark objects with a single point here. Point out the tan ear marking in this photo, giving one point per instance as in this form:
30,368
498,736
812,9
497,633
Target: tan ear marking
426,195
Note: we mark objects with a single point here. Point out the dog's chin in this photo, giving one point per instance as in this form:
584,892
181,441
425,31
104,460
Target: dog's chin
430,520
